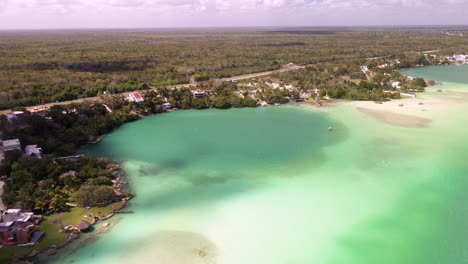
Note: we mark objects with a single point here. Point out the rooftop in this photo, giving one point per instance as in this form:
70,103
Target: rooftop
137,95
12,142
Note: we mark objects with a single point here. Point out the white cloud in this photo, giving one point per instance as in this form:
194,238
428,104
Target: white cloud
32,13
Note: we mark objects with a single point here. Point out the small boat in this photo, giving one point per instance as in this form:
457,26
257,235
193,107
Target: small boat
330,128
277,104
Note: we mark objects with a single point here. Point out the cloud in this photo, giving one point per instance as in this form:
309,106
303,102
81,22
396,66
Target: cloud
135,13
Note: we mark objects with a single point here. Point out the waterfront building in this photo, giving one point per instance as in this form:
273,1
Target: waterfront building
167,105
13,144
17,228
199,94
33,150
135,97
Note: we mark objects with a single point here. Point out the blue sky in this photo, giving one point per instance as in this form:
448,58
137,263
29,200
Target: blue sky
37,14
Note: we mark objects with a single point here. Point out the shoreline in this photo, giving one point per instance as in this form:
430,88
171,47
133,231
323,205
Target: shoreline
410,115
101,217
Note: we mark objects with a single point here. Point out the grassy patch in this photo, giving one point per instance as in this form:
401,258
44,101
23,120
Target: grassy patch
51,226
76,214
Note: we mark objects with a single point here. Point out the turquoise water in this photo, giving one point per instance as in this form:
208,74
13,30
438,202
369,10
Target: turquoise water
446,73
273,185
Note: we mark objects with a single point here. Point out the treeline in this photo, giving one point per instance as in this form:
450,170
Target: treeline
46,185
49,67
39,184
64,128
345,80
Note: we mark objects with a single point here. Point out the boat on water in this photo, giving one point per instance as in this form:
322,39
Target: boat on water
330,128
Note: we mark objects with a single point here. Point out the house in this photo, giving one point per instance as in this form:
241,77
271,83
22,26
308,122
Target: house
14,114
18,113
274,85
17,228
460,58
135,97
38,110
290,66
304,96
33,150
396,85
289,87
199,94
10,116
167,105
10,215
13,144
252,94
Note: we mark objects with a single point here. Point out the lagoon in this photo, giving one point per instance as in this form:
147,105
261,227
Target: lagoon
273,185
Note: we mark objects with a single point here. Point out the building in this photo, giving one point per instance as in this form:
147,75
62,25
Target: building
13,144
17,228
396,85
252,94
383,66
304,96
135,97
199,94
460,58
33,150
38,110
167,106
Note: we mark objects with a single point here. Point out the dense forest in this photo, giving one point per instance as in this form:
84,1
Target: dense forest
37,67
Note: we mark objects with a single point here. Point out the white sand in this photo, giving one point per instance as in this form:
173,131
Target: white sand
412,112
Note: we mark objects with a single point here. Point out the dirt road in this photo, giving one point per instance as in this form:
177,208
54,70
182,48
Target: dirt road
234,78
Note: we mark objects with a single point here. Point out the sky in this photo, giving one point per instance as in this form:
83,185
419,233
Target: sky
59,14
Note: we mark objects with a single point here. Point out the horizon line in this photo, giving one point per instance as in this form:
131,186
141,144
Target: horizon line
240,27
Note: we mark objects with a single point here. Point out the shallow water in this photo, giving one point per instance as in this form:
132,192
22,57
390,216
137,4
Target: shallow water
441,73
273,185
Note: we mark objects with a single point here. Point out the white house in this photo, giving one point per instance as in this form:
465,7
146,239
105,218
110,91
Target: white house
167,105
135,97
199,94
304,96
460,58
33,150
13,144
289,87
396,85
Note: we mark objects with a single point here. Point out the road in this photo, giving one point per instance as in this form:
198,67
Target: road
98,98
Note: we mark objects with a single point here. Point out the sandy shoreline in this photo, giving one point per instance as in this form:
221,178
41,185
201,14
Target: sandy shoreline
418,112
396,119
